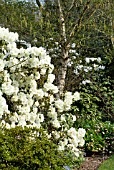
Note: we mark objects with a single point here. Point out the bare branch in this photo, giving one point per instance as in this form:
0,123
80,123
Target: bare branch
77,25
39,4
91,14
71,7
63,30
81,16
72,4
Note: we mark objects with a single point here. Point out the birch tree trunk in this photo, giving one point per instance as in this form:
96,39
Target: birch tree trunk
66,41
64,51
62,71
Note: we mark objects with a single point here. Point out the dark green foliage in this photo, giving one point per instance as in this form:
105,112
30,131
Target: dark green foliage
100,95
96,115
22,149
99,137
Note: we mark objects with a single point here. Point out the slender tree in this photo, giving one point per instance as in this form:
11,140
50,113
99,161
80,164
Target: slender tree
72,16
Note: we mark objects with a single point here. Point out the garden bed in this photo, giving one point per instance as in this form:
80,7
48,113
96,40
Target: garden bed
93,162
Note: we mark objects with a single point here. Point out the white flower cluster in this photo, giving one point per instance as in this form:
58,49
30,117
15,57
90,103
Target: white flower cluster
75,139
8,36
88,60
86,81
27,93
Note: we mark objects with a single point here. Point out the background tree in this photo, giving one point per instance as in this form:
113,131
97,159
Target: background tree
81,22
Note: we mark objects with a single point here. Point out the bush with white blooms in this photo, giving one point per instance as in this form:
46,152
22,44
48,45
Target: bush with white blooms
27,94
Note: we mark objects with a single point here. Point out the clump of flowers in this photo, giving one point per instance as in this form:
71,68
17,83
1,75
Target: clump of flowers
27,94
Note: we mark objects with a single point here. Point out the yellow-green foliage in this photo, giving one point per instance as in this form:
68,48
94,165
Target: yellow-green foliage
19,150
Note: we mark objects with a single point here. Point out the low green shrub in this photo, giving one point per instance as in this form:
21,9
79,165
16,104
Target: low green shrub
26,150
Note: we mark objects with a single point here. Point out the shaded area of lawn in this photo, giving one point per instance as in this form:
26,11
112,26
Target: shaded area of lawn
108,164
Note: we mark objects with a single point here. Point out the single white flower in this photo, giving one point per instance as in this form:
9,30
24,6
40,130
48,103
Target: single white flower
86,81
63,119
51,78
73,118
76,96
56,123
61,146
81,132
37,75
43,71
56,134
59,104
7,126
40,117
1,65
81,142
72,132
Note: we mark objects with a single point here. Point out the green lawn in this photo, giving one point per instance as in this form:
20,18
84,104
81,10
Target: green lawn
108,164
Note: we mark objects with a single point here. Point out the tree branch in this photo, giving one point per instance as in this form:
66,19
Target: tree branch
39,4
72,4
63,30
77,25
71,7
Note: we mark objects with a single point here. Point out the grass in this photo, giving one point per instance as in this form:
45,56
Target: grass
108,164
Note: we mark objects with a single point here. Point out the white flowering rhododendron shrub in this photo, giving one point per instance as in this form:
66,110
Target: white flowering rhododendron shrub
27,94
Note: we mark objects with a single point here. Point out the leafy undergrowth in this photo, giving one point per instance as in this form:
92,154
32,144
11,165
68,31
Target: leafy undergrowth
108,164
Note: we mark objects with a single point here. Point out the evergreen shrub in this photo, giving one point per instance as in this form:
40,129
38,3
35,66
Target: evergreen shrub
29,149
